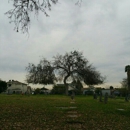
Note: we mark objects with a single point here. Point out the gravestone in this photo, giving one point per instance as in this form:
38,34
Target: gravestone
127,97
28,92
100,97
72,95
95,96
106,98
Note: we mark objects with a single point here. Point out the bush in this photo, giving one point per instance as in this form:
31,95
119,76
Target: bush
3,86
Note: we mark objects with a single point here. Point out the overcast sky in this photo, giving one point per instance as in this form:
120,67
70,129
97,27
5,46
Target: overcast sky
99,28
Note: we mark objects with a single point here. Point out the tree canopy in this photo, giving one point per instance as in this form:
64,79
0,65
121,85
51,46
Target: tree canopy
3,86
20,14
70,66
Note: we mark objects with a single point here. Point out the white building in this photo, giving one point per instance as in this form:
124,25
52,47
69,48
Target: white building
16,87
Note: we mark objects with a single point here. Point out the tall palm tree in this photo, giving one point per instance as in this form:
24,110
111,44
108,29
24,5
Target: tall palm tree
127,69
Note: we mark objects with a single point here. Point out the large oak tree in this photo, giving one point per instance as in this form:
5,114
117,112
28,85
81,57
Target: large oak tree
72,65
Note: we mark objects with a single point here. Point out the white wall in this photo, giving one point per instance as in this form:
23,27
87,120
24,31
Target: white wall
16,87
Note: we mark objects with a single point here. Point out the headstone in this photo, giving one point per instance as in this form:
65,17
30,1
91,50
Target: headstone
94,96
28,90
121,109
100,97
106,98
72,95
127,98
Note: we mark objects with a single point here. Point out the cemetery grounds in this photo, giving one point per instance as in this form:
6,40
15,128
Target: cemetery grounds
58,112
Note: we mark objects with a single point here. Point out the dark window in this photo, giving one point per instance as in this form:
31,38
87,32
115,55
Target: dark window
9,85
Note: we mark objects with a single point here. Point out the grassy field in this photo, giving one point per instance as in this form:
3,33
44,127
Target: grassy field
49,112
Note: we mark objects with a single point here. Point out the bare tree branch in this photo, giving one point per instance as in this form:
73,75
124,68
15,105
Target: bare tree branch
20,14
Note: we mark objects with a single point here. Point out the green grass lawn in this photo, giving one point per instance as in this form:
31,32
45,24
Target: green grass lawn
49,112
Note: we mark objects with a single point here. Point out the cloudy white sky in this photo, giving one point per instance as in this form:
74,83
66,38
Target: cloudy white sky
99,28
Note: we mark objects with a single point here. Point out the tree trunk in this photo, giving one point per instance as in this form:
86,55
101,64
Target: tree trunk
128,79
66,85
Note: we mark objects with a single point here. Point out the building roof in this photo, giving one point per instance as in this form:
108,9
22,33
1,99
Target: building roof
15,82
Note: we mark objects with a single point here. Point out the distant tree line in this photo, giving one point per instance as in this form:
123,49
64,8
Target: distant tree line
3,86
